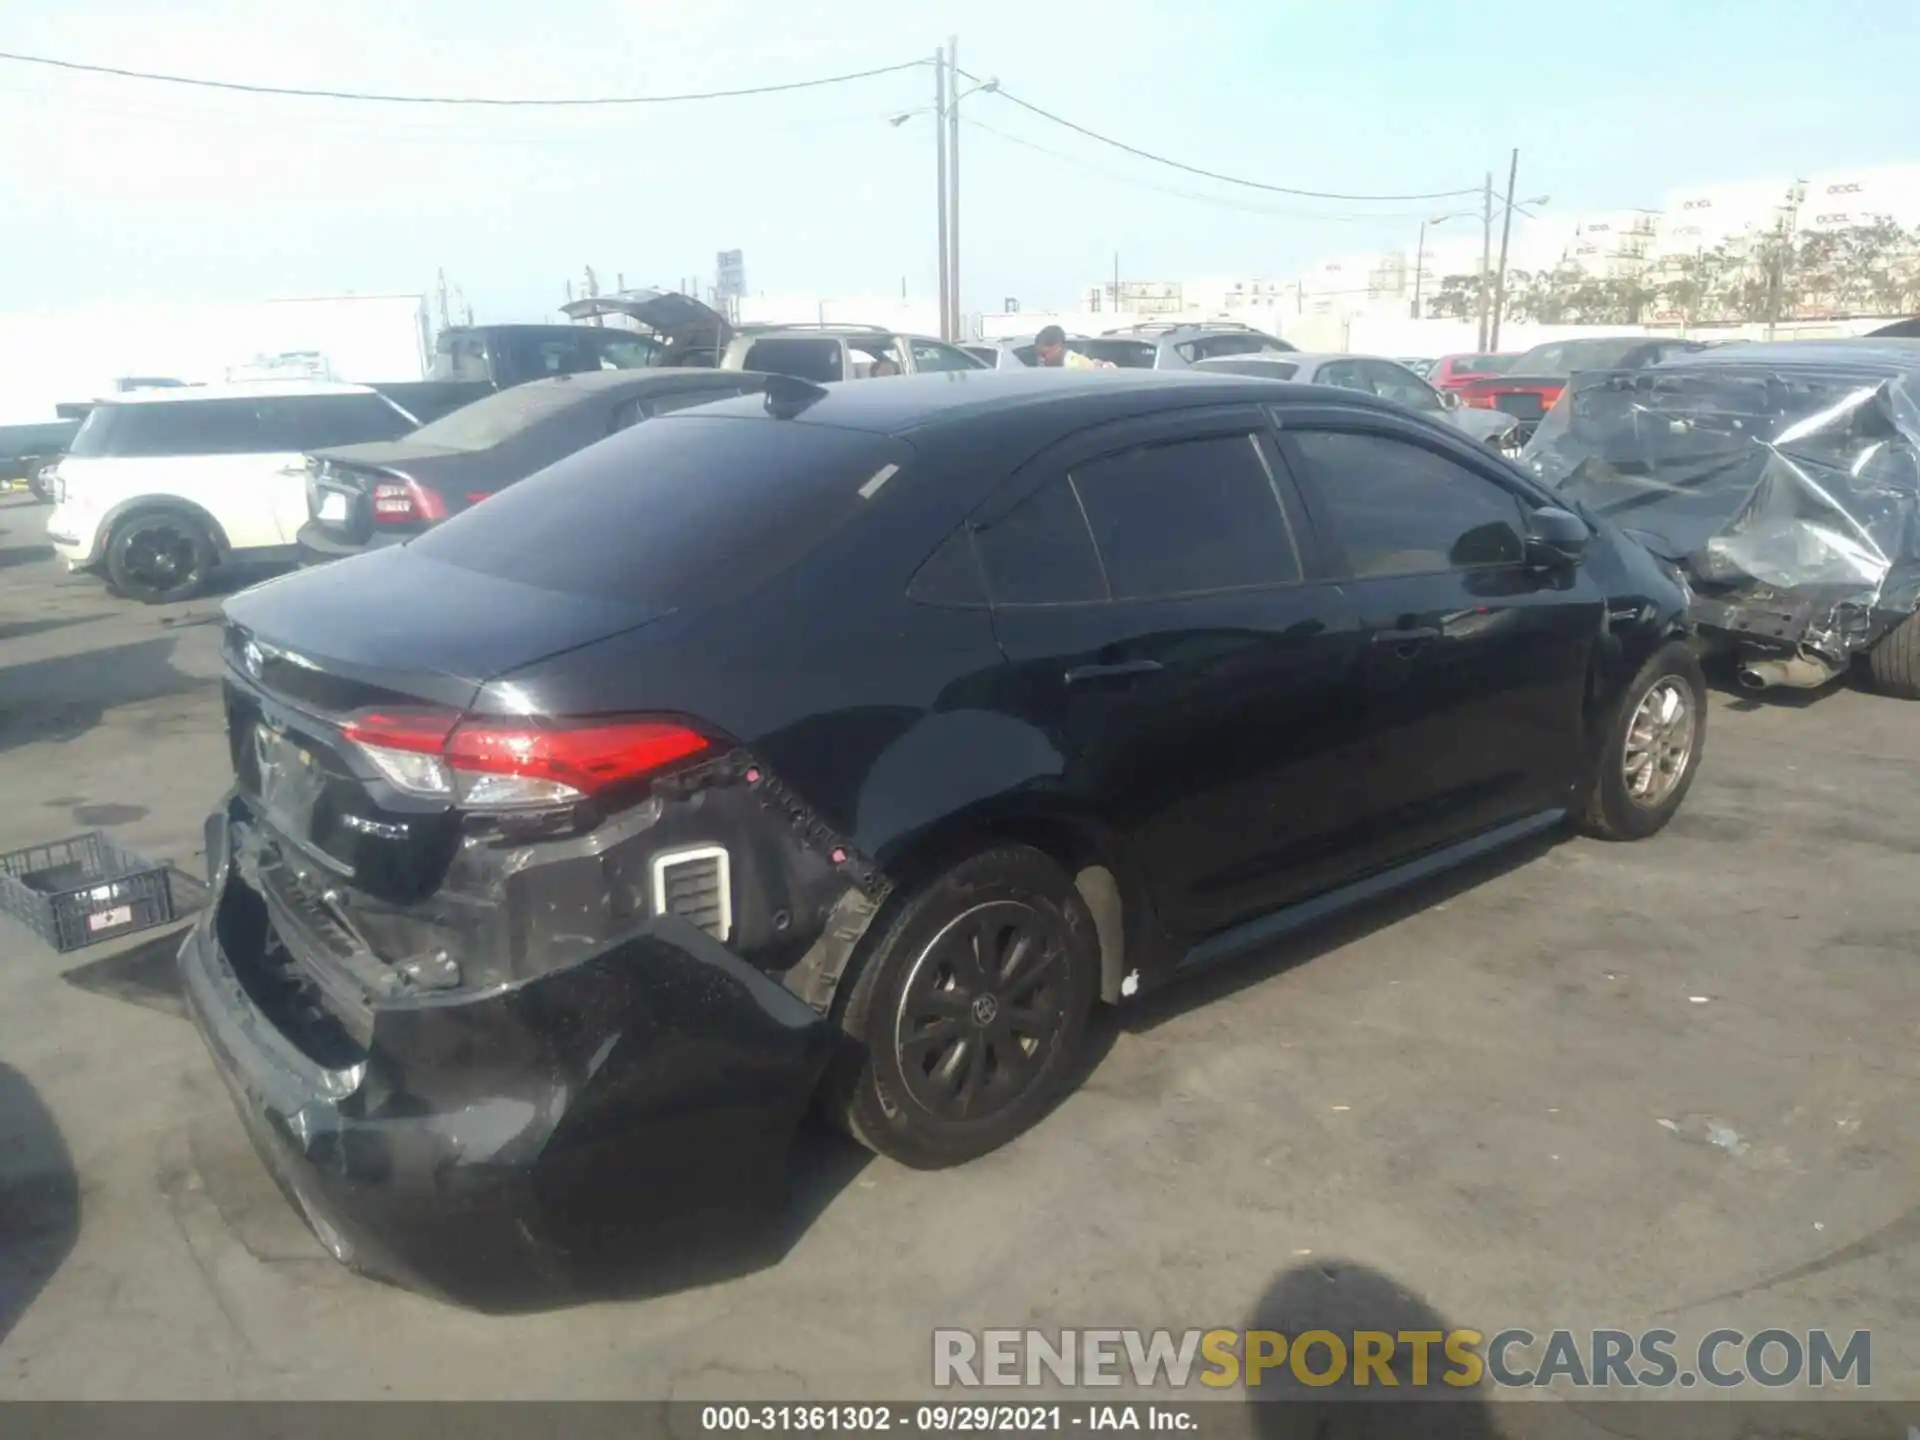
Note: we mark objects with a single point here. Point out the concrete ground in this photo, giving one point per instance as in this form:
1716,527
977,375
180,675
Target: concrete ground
1671,1083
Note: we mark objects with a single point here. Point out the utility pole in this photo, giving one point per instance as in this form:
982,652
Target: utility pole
1500,275
940,143
957,332
1486,254
1419,261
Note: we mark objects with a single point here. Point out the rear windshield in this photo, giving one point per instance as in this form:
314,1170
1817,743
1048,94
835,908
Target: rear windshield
497,417
677,511
1486,364
1565,357
1126,354
809,358
270,424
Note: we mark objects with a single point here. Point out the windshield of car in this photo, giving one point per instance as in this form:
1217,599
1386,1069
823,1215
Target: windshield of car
672,512
1126,354
497,417
1487,364
1565,357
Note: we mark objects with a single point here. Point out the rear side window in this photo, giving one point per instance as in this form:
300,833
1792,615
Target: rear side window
316,422
1187,518
1400,509
1040,553
808,358
931,355
169,427
1123,354
682,510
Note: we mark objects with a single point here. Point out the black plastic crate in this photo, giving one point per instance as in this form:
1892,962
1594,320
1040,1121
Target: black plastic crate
79,892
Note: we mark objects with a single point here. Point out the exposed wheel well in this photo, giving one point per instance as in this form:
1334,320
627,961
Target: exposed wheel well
1070,847
160,505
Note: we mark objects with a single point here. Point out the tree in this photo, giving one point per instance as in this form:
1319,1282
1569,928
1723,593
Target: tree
1458,298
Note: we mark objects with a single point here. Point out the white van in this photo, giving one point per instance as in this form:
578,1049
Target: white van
161,487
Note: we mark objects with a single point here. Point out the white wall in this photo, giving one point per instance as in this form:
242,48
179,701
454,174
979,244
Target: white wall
910,316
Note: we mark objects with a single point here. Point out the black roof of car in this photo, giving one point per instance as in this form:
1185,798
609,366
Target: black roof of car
904,404
1884,355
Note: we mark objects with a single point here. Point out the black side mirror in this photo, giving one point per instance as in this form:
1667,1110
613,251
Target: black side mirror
1556,538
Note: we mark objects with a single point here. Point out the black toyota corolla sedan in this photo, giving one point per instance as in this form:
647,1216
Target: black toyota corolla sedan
848,745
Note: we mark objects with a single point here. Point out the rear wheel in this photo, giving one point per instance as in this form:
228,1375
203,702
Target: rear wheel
1651,750
1894,661
159,557
969,1011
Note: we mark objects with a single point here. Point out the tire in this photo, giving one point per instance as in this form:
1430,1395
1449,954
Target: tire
912,1006
159,557
42,491
1894,661
1610,808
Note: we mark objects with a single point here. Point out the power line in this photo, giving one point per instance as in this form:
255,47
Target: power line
1004,94
1224,203
490,100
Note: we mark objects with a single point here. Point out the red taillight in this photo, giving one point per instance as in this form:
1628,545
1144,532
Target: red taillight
1550,398
405,502
1481,402
504,764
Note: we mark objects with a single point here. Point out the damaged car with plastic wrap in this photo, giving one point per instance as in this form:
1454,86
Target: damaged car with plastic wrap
1782,481
847,745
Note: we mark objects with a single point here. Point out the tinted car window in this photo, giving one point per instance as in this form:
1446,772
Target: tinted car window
626,352
678,511
808,358
536,355
930,355
1400,509
182,427
494,418
1208,346
951,575
1399,384
687,399
1024,354
1124,354
1343,373
315,422
1565,357
1040,553
1186,518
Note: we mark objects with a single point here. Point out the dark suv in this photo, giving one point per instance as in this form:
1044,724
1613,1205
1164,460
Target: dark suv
852,743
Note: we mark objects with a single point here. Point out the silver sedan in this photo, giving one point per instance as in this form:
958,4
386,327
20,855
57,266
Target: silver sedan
1377,376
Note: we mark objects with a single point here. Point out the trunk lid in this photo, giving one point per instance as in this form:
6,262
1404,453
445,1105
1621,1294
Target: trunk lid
385,630
689,328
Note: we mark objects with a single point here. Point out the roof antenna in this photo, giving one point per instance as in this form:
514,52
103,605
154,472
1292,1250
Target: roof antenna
788,395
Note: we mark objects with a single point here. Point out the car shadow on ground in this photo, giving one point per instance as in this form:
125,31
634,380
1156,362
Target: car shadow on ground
39,1197
1341,1297
13,555
1231,975
62,697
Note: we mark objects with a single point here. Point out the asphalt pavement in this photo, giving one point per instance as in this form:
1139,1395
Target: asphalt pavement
1584,1085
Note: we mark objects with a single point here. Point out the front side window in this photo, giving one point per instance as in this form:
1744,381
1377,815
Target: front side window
1397,508
627,352
316,422
1187,518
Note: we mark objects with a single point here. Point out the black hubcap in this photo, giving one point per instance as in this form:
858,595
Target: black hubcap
982,1010
159,556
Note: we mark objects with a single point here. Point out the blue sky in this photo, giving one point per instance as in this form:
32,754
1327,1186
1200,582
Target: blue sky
126,191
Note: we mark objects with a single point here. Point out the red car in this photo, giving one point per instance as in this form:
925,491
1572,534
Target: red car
1450,372
1530,385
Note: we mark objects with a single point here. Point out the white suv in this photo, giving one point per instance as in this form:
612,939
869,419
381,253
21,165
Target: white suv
160,487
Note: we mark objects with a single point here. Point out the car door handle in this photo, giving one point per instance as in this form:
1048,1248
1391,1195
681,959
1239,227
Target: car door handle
1407,643
1084,674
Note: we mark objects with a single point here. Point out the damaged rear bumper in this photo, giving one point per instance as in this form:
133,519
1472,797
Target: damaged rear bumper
484,1147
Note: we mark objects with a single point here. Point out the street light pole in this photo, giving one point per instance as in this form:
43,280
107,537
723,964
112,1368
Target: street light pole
1500,275
940,144
956,329
1486,255
1419,257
